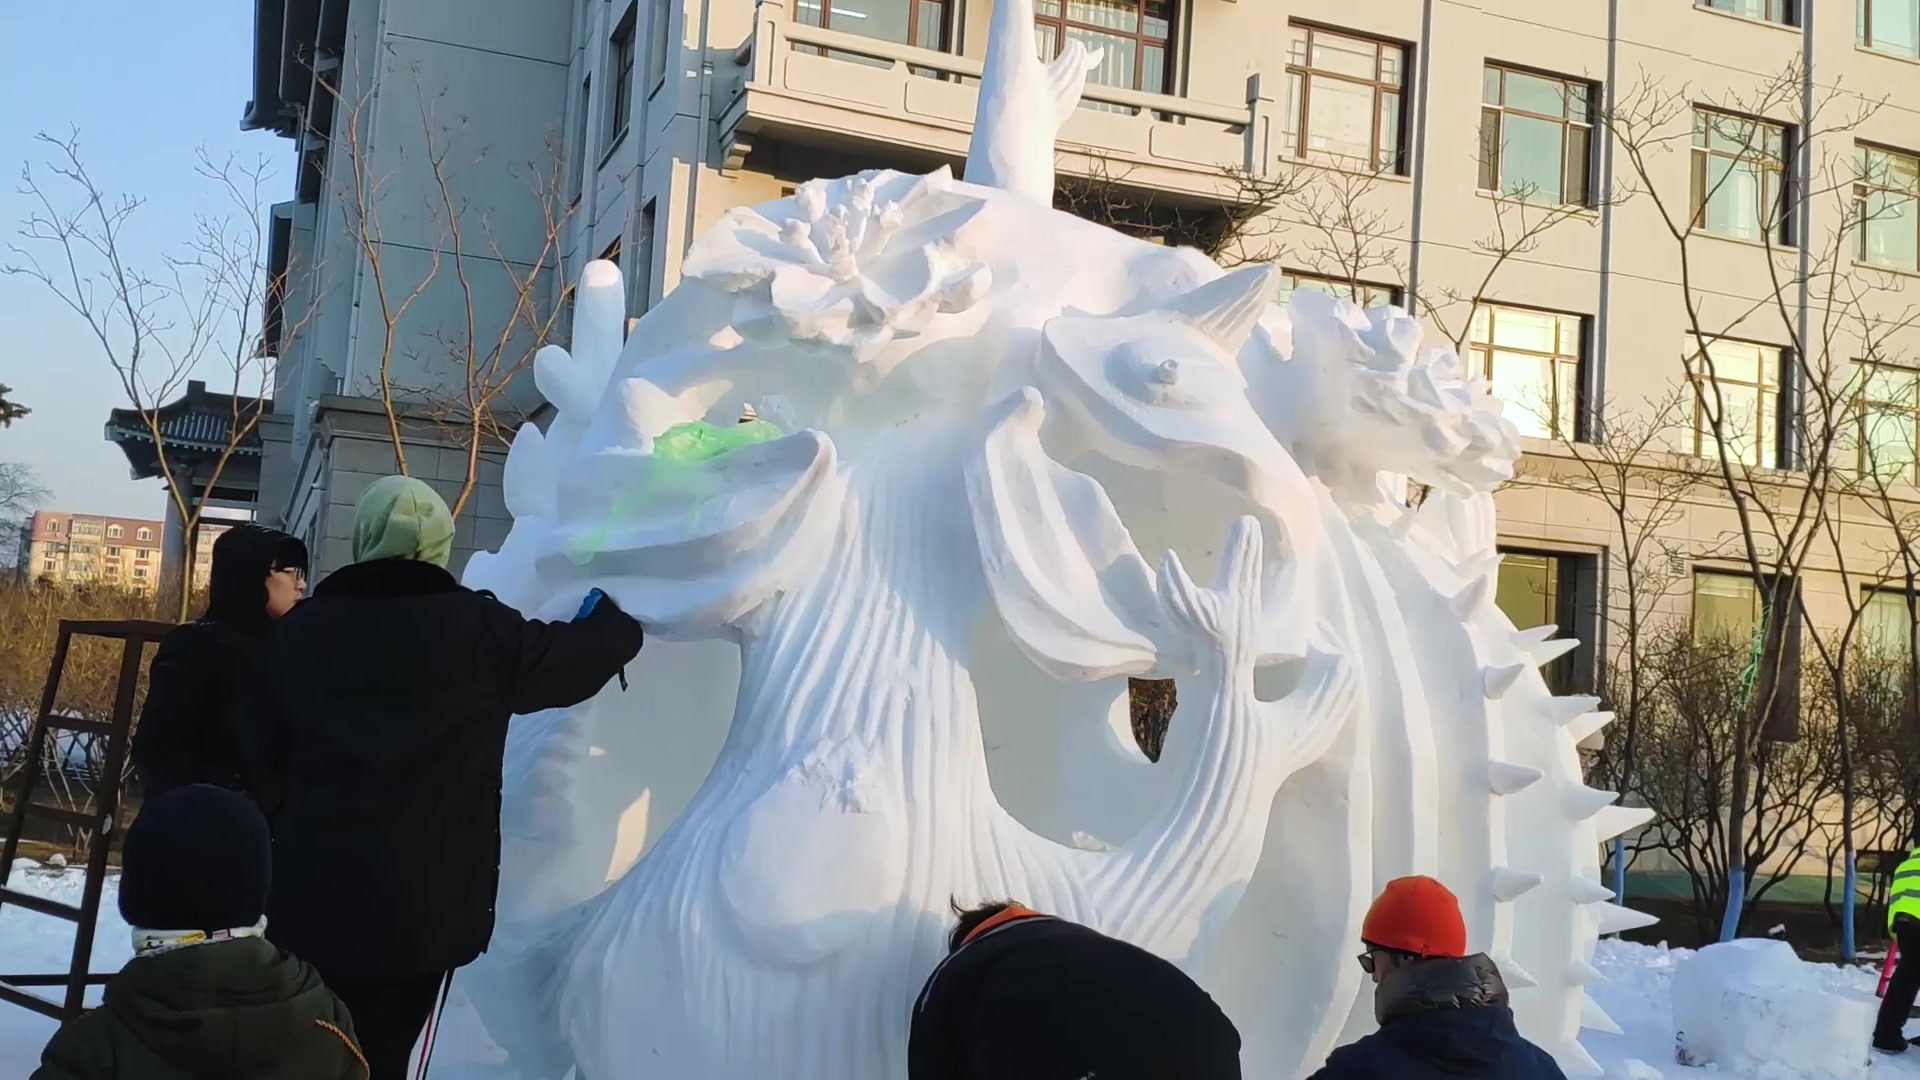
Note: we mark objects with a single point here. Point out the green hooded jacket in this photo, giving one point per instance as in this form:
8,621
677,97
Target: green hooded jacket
236,1010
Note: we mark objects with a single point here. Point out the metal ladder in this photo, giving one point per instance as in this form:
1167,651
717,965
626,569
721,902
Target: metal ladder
135,634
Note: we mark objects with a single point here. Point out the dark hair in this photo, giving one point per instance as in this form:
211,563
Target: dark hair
243,556
971,918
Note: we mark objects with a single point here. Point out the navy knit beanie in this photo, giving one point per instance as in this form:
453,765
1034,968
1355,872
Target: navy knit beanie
197,858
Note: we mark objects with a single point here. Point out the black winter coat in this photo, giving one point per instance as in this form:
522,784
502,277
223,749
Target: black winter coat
395,684
1442,1019
1047,999
232,1009
200,721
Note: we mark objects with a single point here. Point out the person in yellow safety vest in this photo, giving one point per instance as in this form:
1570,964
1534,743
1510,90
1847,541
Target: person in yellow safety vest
1903,922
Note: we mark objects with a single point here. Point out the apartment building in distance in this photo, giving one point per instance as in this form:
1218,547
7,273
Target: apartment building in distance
77,550
1440,119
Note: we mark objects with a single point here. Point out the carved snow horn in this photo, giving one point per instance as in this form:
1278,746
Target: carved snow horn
748,414
1226,308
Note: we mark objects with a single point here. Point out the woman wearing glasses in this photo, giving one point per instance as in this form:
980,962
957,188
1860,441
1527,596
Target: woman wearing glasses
199,722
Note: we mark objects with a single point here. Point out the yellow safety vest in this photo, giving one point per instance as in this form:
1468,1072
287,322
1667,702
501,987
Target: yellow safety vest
1904,897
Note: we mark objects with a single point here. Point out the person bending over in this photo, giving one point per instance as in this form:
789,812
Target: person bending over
1027,996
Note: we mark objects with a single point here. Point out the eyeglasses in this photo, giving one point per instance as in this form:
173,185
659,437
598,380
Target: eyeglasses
1366,961
298,575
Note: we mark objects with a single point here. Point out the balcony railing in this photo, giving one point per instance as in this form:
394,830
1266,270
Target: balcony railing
800,81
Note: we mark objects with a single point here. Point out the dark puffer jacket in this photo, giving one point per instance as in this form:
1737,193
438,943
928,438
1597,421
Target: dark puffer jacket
1046,999
394,687
1442,1020
198,723
233,1009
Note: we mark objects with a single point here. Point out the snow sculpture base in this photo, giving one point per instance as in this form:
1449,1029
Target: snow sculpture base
1751,1007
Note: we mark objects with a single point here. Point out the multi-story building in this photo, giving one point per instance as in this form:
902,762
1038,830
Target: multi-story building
75,550
1430,131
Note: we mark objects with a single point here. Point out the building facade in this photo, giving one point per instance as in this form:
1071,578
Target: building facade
1432,132
87,550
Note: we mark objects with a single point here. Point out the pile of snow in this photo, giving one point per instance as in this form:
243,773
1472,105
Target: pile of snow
1752,1006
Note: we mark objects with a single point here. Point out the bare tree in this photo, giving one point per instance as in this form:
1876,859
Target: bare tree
10,410
468,355
159,322
1815,301
20,493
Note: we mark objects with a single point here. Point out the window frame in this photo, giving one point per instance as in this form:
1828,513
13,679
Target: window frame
1776,392
1779,12
1863,33
115,532
1300,75
1864,187
1700,153
1782,721
1864,404
659,46
1574,415
1393,294
1577,581
1062,22
144,535
620,60
583,134
1569,124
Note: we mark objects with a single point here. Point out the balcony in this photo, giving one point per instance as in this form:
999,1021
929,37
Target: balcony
813,86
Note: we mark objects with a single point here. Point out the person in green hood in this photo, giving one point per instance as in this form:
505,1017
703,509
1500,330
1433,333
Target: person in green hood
205,995
394,686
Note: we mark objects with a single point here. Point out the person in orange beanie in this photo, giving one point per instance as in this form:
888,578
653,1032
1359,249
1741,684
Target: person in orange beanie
1443,1013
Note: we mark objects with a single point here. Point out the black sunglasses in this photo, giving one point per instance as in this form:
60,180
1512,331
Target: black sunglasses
1366,962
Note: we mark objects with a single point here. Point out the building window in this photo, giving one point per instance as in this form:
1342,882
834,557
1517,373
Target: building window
1889,421
612,254
1134,37
1891,26
143,554
113,552
1536,137
1886,624
1747,380
86,528
1532,358
53,526
1887,203
1779,11
1344,100
620,62
640,282
1539,588
144,534
1362,293
139,571
1734,611
115,532
47,566
581,136
1739,177
659,24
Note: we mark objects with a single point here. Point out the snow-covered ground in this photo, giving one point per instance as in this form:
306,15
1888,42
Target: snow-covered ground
1637,996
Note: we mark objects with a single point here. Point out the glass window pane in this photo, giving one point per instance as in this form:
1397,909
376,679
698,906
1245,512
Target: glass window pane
1153,70
1390,59
1531,157
1490,86
1889,438
1116,57
1156,25
931,30
1124,17
1566,419
1478,325
1389,131
1290,137
1515,328
1896,26
1489,149
1734,198
1893,230
1043,41
1570,335
1535,94
1737,361
1047,9
1340,118
882,19
1892,386
1725,607
1524,590
1577,105
1575,191
1742,419
1348,56
1525,383
1886,624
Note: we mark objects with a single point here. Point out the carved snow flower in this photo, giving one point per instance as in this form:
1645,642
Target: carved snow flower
852,263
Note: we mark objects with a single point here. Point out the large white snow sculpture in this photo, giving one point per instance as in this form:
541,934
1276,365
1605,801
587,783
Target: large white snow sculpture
901,606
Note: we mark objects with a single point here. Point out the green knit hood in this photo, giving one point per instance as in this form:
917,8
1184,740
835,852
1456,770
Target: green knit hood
399,517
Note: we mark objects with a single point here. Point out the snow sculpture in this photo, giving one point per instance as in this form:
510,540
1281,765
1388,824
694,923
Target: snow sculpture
898,611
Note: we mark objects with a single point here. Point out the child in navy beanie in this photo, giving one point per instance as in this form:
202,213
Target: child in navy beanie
205,994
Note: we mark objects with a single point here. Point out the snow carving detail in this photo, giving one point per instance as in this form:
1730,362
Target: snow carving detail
853,263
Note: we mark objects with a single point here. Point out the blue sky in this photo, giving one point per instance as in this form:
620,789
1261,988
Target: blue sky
146,84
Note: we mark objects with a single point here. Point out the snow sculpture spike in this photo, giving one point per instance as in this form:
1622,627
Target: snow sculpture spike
1498,680
1022,105
1402,526
1572,707
1581,727
1227,308
1615,919
1546,652
1479,566
1515,976
1576,1061
1590,892
1616,820
1506,778
1594,1018
1585,802
1469,600
1510,884
1532,636
1583,973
